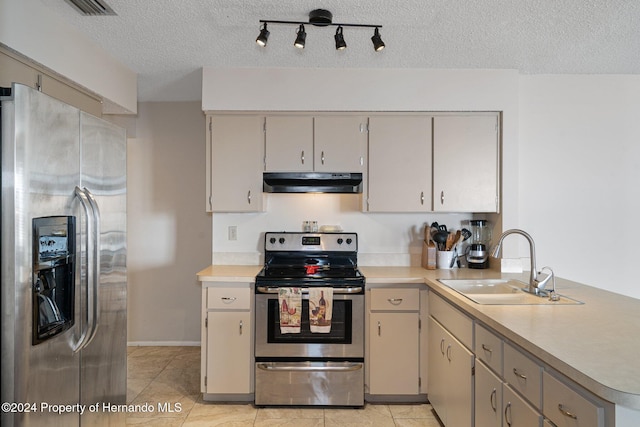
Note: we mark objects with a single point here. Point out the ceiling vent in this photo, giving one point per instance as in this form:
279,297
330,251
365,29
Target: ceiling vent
91,7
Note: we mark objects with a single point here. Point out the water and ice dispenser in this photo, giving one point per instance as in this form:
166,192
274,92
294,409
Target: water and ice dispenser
53,276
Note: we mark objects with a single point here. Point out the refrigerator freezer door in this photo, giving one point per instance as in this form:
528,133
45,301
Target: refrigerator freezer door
40,167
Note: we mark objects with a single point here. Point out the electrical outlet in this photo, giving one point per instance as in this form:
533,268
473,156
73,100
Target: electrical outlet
233,232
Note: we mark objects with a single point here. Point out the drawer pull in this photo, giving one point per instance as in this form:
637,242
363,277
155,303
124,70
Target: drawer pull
241,327
566,413
442,346
449,352
485,348
228,300
493,400
395,301
518,374
379,329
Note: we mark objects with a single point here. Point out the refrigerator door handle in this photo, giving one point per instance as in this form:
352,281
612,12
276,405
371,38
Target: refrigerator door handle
93,266
95,301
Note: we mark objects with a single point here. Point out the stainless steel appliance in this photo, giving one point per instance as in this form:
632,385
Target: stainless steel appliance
64,278
309,368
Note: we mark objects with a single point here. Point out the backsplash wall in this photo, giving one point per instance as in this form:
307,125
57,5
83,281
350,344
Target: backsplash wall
383,238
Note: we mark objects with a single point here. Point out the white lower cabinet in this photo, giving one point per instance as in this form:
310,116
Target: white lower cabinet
532,393
487,397
227,342
517,412
450,380
394,342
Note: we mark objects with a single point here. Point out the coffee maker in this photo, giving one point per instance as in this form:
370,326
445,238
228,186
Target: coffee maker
478,251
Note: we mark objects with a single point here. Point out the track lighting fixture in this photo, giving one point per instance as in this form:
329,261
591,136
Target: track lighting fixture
302,35
340,43
320,18
378,44
263,36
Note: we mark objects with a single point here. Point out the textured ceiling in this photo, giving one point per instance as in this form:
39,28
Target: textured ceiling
167,42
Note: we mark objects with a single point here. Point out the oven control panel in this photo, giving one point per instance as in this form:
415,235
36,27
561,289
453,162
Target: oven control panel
285,241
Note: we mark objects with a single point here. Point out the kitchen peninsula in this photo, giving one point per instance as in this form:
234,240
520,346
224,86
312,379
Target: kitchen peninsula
593,345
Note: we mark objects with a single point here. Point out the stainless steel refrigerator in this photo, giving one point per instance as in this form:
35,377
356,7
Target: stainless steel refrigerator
64,277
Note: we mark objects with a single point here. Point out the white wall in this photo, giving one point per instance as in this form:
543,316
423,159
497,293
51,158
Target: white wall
169,233
26,27
579,193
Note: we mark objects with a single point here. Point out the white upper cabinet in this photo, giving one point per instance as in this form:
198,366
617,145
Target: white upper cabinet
340,143
465,167
289,144
235,162
299,143
399,164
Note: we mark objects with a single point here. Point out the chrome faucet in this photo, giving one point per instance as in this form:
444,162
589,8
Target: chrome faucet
535,285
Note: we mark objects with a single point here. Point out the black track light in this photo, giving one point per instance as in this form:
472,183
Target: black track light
378,44
320,18
263,36
302,35
340,43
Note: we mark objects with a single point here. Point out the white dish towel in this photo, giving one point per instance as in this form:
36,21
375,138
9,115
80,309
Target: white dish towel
320,309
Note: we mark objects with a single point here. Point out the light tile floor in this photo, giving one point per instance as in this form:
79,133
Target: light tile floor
164,383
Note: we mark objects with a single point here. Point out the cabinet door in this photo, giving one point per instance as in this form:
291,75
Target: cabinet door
237,155
465,163
460,385
394,353
488,397
289,144
517,412
437,378
340,143
399,164
229,367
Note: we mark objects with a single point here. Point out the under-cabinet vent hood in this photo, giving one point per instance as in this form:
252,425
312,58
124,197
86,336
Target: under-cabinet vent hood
312,182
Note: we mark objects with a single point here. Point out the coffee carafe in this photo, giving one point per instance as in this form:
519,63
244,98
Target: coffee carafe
478,251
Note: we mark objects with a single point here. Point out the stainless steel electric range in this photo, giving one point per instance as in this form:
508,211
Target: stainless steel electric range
309,367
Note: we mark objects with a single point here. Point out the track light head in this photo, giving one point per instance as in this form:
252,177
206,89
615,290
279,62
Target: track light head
300,39
378,44
263,36
340,43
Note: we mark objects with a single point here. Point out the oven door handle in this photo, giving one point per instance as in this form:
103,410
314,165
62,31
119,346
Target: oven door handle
274,290
346,367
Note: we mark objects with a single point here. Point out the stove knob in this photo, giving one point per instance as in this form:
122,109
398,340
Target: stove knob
272,240
281,240
349,241
340,240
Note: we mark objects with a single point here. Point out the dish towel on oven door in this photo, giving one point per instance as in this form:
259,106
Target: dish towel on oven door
320,309
290,302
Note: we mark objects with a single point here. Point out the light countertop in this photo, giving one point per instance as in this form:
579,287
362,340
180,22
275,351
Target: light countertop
596,344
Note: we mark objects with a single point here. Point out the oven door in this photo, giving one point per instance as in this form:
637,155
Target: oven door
346,339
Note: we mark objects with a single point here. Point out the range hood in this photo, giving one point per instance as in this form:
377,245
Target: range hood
312,182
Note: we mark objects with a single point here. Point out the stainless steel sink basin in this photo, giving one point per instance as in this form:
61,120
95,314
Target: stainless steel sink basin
501,292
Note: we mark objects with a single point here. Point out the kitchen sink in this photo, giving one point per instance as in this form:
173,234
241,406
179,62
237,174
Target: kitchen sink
502,292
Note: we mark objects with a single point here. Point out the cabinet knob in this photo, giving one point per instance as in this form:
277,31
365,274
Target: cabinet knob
241,324
322,157
379,328
422,197
442,197
249,196
302,157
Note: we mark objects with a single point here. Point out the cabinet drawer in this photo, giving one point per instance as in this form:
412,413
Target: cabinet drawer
398,299
488,348
229,298
566,407
523,374
452,319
